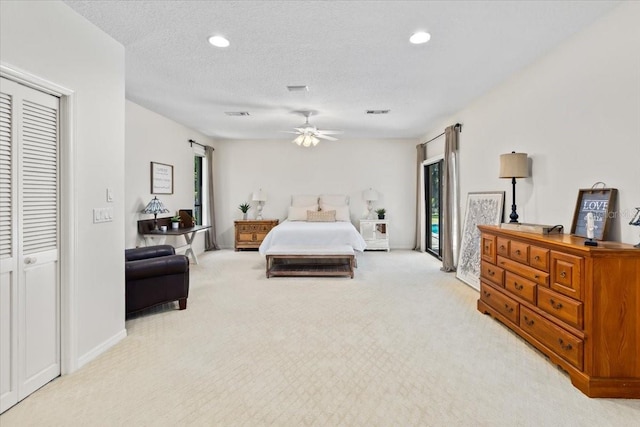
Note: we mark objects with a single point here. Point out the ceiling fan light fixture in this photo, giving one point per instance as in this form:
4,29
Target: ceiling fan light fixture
218,41
298,139
420,37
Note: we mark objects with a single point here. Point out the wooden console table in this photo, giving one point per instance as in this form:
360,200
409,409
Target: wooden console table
158,237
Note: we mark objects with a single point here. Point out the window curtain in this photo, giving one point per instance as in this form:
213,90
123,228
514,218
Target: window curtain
450,235
421,157
210,243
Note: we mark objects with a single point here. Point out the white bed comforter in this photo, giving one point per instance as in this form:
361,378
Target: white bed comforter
309,234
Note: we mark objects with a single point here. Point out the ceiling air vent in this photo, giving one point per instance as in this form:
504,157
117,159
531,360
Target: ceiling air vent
378,111
301,88
236,113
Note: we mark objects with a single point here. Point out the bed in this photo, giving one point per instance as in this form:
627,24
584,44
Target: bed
317,239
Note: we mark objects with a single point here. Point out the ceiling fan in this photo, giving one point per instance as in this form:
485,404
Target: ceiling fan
309,135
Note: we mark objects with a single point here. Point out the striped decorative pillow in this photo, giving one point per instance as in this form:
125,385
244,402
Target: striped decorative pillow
321,216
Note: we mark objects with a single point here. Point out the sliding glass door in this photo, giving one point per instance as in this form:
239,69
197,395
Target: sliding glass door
433,210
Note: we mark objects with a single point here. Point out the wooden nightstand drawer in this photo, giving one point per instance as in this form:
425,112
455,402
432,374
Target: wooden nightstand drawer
557,339
500,302
488,247
566,309
249,234
525,289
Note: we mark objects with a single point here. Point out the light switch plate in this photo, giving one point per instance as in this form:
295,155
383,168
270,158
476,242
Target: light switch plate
102,215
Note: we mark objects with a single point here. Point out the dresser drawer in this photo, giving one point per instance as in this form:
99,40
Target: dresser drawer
519,252
503,246
524,288
500,302
492,273
557,339
566,309
488,248
540,277
539,258
566,274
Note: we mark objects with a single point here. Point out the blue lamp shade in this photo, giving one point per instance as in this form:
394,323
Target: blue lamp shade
155,207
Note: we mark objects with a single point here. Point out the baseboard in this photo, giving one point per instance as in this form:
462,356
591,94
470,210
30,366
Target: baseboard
98,350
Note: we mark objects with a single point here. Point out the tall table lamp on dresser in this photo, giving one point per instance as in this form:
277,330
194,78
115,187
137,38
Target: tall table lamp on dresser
636,221
260,197
514,165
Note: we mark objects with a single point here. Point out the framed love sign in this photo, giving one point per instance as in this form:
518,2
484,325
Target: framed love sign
600,202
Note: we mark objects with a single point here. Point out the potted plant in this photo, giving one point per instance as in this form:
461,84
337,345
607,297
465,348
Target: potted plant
175,221
244,208
381,213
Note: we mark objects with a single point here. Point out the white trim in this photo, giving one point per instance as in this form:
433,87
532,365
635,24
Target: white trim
101,348
68,209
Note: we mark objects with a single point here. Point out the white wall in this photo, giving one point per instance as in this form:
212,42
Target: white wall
151,137
49,40
349,167
576,112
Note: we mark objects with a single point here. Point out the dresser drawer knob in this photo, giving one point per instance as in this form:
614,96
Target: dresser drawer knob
537,258
563,346
517,251
486,294
555,305
563,274
502,247
517,286
509,309
536,276
528,322
491,273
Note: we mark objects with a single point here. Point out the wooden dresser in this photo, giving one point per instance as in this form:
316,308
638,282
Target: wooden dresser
250,233
579,305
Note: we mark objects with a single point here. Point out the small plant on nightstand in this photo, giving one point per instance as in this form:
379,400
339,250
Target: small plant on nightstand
244,208
381,212
175,221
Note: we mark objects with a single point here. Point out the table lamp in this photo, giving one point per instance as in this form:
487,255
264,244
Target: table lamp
514,165
369,196
636,221
260,197
155,207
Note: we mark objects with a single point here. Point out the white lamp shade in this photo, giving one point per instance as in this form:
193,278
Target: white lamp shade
514,165
370,195
260,196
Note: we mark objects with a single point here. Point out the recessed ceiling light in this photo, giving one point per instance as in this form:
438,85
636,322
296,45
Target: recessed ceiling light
420,37
218,41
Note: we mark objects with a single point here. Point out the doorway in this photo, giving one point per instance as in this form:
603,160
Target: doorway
433,206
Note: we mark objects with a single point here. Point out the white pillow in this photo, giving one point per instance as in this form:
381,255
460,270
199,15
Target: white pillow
304,200
334,199
299,213
342,212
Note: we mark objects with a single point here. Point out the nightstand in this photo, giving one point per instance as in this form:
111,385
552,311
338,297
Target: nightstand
375,233
250,233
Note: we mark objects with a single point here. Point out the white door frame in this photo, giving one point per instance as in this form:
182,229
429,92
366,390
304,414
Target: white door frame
68,232
423,207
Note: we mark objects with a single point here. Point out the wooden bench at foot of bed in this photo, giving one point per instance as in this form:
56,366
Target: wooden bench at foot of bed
310,261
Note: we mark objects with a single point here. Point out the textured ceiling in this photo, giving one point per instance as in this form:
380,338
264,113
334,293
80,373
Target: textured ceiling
353,56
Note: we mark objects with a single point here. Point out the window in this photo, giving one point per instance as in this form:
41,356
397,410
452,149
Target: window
433,208
197,186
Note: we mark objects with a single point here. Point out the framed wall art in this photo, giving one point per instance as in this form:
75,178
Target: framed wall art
485,208
161,178
600,202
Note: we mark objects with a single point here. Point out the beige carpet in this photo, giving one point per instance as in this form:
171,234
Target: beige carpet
400,345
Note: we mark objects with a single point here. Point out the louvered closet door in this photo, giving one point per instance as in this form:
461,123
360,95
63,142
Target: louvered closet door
29,275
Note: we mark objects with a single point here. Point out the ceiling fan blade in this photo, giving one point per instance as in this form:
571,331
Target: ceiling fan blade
327,137
330,132
290,131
